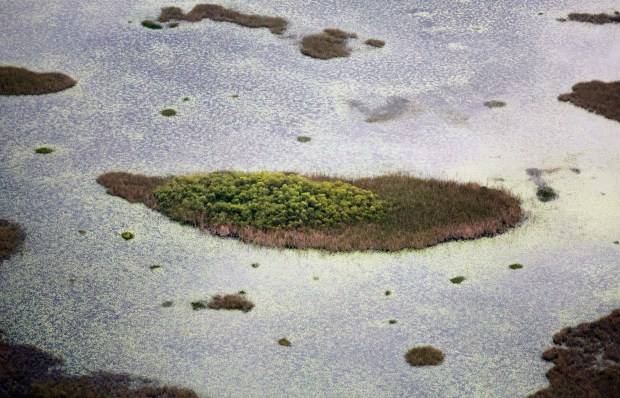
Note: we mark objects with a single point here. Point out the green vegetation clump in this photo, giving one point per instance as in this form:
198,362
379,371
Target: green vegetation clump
167,304
44,150
284,342
265,200
392,321
11,237
127,235
198,305
388,292
147,23
156,266
424,356
457,280
375,43
21,81
515,266
303,138
545,193
168,112
255,265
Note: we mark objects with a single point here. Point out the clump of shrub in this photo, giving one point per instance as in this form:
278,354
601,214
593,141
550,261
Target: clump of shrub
168,112
424,356
494,104
284,342
21,81
44,150
127,235
586,360
255,265
167,304
545,193
515,266
265,200
154,267
332,43
375,43
405,211
598,19
457,280
216,12
303,138
147,23
198,305
597,97
392,321
230,302
388,292
11,237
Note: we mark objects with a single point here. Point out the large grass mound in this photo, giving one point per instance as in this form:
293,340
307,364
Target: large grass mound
586,359
11,236
597,97
390,212
21,81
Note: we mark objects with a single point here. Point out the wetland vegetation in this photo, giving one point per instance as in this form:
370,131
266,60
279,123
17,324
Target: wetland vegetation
424,356
11,237
21,81
597,97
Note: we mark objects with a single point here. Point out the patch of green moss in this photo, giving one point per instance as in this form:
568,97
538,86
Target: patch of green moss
545,193
388,292
515,266
457,280
392,321
255,265
198,305
234,96
156,266
303,138
147,23
185,99
127,235
44,150
265,200
284,342
168,112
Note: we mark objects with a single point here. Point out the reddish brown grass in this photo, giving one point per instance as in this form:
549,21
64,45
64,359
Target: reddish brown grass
340,34
27,372
324,46
422,213
586,359
375,43
596,97
424,356
21,81
216,12
11,237
597,19
230,302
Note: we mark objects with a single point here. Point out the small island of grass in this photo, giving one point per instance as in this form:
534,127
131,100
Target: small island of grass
216,12
597,19
332,43
424,356
596,97
375,43
388,213
21,81
44,150
11,237
231,302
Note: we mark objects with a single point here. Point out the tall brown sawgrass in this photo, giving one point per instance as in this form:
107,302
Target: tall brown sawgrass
421,213
217,12
21,81
11,236
597,97
586,361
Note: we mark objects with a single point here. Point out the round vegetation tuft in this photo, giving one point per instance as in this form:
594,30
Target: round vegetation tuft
167,304
147,23
286,210
284,342
546,194
44,150
168,112
494,104
392,321
154,267
515,266
127,235
255,265
388,292
457,280
424,356
21,81
303,138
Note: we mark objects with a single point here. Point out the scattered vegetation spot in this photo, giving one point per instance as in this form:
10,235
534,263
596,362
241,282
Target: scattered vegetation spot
11,237
127,235
198,305
284,342
515,266
230,302
168,304
424,356
457,280
597,19
255,265
332,43
545,193
494,104
597,97
21,81
156,266
392,321
44,150
168,112
185,99
147,23
375,43
303,138
388,292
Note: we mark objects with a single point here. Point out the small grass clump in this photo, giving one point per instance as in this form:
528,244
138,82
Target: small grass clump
586,360
388,292
167,304
255,265
392,321
21,81
198,305
545,193
216,12
44,150
11,237
185,99
284,342
494,104
457,280
388,213
303,138
168,112
597,19
230,302
515,266
375,43
147,23
332,43
127,235
154,267
424,356
597,97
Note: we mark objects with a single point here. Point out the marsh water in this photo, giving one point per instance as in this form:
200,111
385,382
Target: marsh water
92,299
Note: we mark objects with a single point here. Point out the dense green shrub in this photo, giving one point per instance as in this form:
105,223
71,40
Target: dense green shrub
265,200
